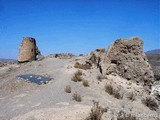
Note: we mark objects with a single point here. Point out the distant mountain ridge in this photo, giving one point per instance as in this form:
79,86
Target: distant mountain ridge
155,51
7,60
154,60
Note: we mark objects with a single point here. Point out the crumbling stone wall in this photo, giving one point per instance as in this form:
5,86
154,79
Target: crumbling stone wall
126,58
95,56
28,50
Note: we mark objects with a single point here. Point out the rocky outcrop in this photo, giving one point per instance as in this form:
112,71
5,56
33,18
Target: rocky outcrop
28,50
126,58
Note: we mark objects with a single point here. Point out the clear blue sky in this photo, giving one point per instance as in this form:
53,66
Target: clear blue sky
77,26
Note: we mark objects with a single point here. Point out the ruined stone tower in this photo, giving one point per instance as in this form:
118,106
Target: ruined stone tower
28,50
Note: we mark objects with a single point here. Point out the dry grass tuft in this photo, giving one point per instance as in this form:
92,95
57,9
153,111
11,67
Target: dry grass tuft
157,77
77,76
124,116
79,72
77,97
82,66
131,96
100,77
112,91
109,89
68,89
96,112
117,94
85,83
150,103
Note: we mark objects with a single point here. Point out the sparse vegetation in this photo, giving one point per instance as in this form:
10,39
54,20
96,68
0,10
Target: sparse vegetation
136,38
117,94
85,83
124,116
79,72
109,89
151,103
77,97
68,89
82,66
112,91
157,77
96,112
131,96
77,76
100,77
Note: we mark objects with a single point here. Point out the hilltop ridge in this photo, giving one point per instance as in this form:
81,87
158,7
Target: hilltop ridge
108,84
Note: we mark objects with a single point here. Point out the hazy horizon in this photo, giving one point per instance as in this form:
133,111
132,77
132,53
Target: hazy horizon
77,26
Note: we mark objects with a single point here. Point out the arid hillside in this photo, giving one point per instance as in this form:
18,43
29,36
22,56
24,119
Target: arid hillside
112,84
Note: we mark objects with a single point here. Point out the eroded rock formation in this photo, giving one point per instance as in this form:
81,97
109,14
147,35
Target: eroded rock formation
28,50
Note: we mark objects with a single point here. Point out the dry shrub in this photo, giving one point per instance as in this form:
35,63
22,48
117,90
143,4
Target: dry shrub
96,112
131,96
136,38
117,94
77,97
109,89
82,66
79,72
112,91
150,103
77,76
100,77
85,83
124,116
68,89
157,77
